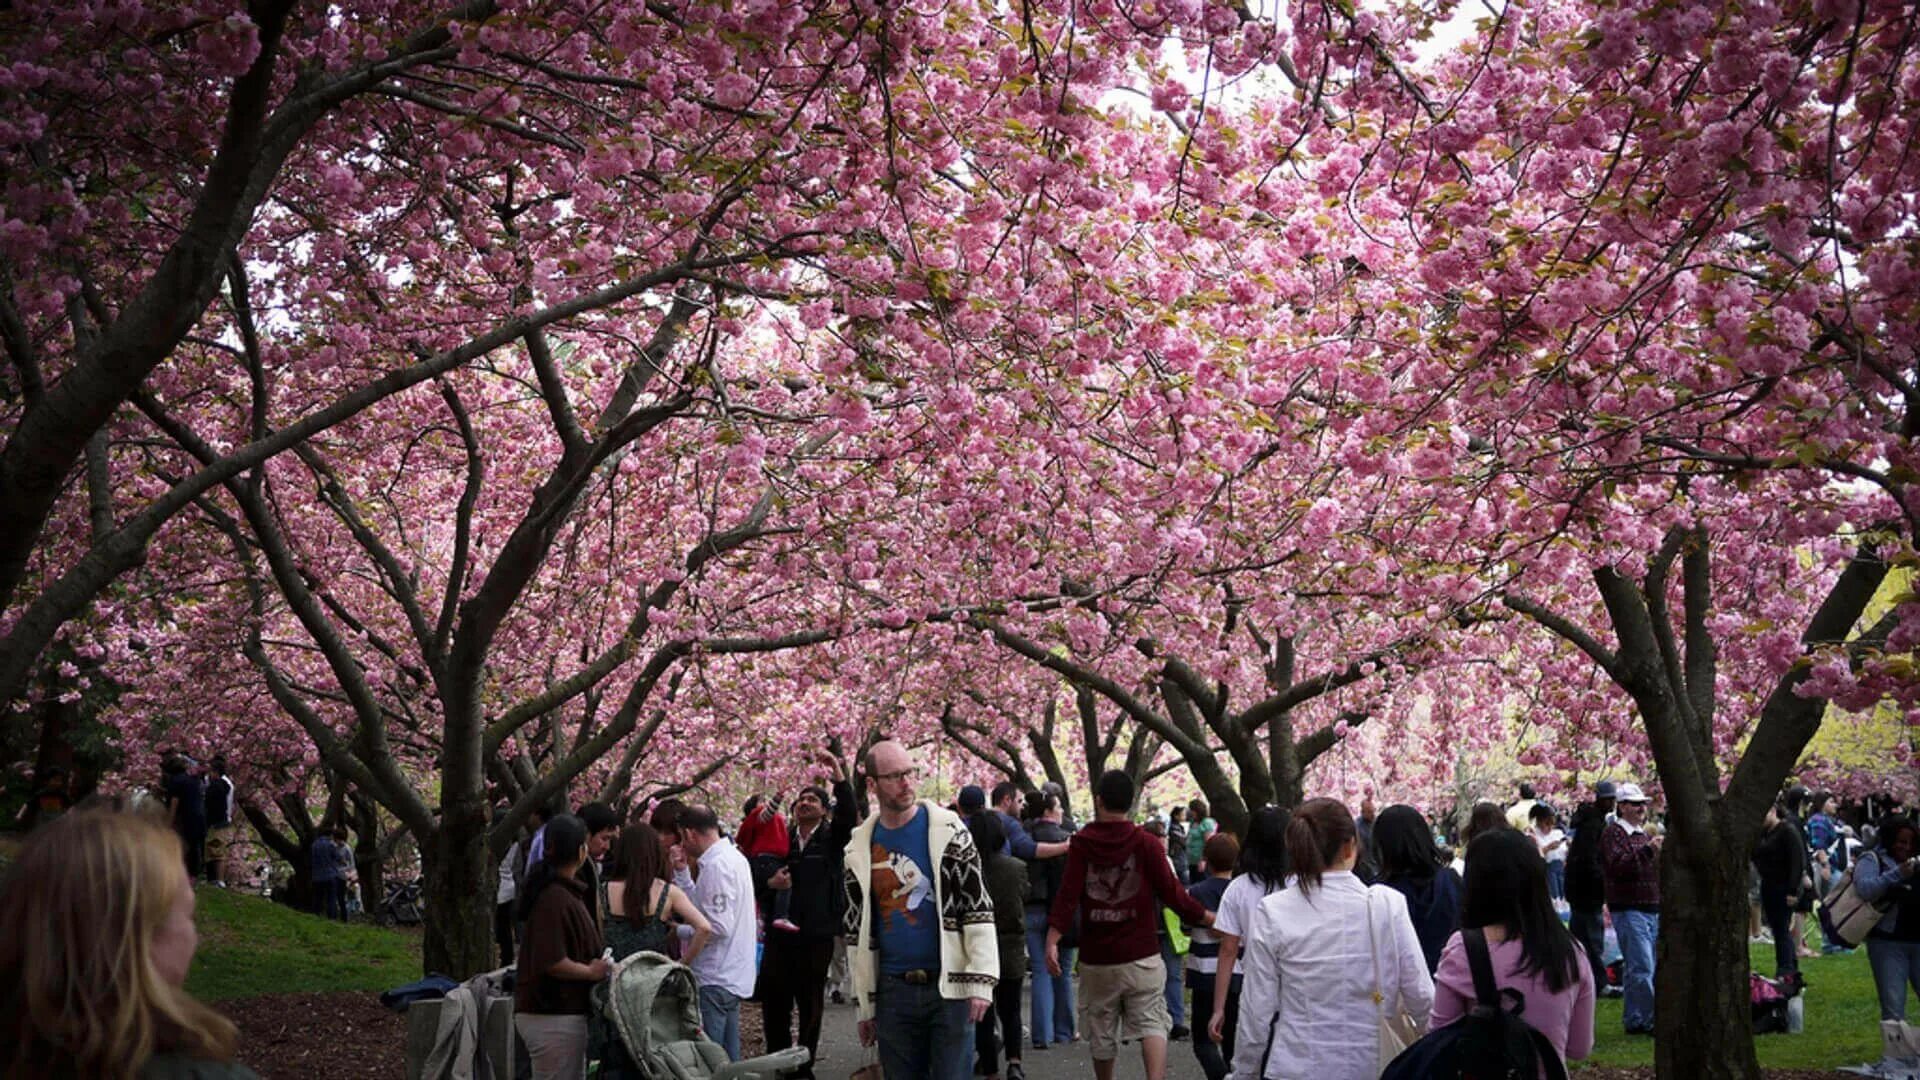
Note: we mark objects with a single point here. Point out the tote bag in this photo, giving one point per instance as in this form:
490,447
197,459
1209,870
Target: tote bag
1849,913
1396,1029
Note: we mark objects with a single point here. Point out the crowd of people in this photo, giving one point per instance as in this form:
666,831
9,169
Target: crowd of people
1293,945
1288,944
948,914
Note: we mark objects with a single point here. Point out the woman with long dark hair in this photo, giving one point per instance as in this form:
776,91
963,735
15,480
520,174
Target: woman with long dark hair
1410,863
1326,960
560,956
1532,951
642,900
1262,871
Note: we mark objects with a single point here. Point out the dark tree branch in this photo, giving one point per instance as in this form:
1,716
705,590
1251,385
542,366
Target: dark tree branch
462,520
1566,630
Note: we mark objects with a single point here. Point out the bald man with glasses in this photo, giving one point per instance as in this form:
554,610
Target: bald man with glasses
921,946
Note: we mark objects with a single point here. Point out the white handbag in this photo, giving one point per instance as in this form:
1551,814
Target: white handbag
1397,1030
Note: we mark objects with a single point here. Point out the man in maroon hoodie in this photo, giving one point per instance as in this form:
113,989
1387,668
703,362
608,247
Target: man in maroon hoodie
1117,875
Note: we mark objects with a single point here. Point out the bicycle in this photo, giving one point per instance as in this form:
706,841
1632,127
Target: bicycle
401,906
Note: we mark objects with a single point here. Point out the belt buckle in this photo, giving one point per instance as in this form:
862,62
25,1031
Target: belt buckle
917,977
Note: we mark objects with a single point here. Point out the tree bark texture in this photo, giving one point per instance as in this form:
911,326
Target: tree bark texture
1703,1025
458,901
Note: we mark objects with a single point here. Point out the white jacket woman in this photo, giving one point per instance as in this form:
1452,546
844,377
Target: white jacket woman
1311,959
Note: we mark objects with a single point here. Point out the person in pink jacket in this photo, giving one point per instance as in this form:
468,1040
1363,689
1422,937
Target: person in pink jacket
1533,953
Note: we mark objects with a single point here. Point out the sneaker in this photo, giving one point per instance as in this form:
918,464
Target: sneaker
786,925
1015,1072
1179,1033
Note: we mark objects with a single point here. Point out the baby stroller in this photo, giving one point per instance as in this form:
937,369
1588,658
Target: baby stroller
652,1005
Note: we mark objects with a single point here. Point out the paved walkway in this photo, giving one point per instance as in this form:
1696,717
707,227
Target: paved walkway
841,1053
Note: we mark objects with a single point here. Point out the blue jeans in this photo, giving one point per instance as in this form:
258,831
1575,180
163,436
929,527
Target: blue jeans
923,1036
1176,983
1557,879
1896,965
1052,994
1638,931
720,1016
332,898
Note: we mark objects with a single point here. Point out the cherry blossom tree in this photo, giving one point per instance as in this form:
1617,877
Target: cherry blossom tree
1663,334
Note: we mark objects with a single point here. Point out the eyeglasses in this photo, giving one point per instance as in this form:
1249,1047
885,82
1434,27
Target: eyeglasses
896,777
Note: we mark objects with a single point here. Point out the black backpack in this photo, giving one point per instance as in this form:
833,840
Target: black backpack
1490,1043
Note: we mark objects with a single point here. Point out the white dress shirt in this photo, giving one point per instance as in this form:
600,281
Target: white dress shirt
1309,980
506,888
724,894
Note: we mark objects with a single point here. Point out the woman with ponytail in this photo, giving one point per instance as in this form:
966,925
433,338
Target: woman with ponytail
96,935
1325,960
560,956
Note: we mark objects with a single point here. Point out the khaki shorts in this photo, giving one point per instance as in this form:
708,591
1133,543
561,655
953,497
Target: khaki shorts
1124,1003
217,842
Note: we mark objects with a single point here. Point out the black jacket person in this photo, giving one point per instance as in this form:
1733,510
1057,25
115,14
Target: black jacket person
793,974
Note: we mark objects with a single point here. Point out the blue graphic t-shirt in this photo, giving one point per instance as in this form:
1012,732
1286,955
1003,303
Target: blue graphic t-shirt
906,921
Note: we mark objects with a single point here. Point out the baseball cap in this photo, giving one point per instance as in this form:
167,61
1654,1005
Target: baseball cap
1630,792
973,798
1604,790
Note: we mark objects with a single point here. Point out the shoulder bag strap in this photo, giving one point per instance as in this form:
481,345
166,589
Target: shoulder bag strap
1379,999
1485,990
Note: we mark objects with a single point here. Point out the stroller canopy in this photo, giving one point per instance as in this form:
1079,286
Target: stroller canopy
653,1005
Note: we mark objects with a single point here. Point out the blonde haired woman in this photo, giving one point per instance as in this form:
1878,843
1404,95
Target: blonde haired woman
96,935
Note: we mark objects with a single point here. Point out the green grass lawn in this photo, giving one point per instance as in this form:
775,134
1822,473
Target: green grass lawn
1843,1019
250,946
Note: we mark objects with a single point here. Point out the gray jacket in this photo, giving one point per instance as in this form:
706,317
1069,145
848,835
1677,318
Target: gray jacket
1876,876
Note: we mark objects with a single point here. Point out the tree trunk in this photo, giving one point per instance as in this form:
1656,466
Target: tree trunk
1286,773
1704,1023
367,857
458,903
296,850
1230,811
